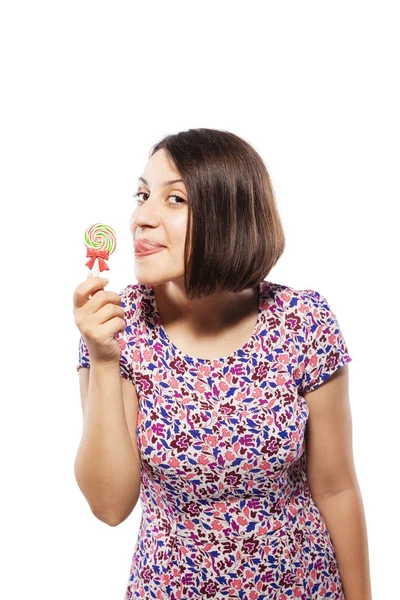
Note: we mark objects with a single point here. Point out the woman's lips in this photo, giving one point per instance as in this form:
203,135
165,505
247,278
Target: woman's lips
152,251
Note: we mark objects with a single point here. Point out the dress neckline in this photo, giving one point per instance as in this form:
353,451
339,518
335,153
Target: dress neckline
208,361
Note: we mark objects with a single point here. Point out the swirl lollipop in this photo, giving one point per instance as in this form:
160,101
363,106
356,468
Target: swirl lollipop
100,241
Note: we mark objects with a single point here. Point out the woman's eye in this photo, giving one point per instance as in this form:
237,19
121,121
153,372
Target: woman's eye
182,201
140,200
137,196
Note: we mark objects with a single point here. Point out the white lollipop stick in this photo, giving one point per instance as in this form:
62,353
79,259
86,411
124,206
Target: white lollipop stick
95,270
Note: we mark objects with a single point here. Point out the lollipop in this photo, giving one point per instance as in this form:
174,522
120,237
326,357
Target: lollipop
100,241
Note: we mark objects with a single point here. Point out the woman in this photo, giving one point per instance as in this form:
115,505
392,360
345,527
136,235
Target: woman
217,397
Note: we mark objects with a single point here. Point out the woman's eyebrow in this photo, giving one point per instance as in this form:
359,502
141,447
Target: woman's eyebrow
170,182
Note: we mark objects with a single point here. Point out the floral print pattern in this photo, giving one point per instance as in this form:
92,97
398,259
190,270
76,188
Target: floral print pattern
226,507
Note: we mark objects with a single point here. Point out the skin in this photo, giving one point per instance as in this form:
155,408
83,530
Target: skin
162,217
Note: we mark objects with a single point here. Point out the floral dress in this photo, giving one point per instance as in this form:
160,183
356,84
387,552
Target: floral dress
226,507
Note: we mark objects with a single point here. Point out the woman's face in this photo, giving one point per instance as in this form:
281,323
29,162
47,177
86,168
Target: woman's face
160,216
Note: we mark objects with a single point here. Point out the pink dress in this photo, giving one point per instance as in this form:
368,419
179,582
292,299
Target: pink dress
226,507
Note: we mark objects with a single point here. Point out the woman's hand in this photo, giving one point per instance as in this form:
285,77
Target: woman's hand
99,316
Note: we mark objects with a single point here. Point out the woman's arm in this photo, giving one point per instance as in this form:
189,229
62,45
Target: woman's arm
333,480
107,465
343,514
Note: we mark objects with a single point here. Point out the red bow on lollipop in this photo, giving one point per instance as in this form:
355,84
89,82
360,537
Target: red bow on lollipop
101,255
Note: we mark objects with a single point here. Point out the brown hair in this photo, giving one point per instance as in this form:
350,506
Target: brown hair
234,230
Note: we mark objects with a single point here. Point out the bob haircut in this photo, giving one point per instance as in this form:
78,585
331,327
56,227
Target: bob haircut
234,235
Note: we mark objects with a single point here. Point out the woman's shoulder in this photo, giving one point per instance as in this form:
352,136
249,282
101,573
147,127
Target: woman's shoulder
131,291
131,297
300,309
288,296
136,300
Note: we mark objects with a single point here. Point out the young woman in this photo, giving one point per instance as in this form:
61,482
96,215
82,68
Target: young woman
218,398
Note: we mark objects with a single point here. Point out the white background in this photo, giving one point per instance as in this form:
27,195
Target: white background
86,89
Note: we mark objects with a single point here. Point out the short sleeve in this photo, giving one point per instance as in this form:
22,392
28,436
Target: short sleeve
325,349
128,339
